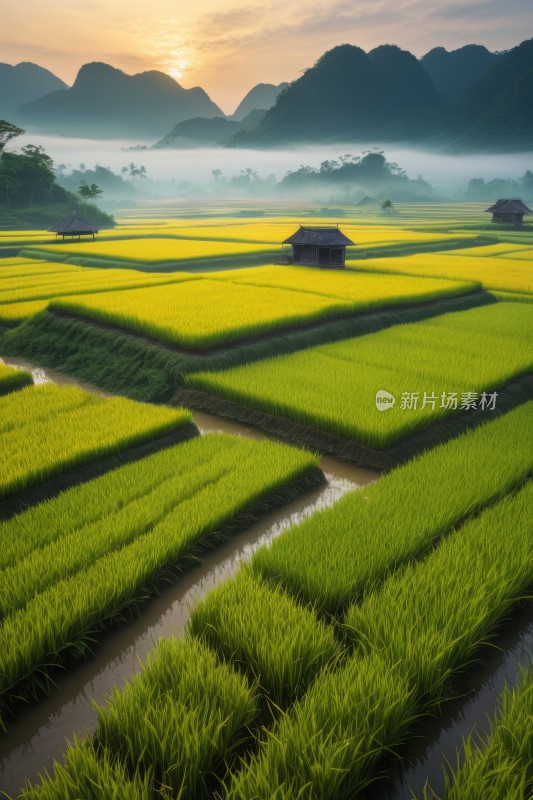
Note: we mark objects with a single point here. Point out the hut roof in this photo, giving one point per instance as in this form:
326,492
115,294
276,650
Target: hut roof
323,237
73,224
511,205
368,201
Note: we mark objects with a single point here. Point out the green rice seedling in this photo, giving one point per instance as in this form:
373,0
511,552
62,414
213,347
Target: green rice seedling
431,617
40,526
11,378
260,628
66,613
92,775
328,743
411,635
36,403
467,351
332,557
32,452
499,765
180,719
74,550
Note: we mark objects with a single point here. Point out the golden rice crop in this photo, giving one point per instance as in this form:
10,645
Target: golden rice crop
521,255
26,289
11,378
212,311
204,313
152,251
364,289
493,273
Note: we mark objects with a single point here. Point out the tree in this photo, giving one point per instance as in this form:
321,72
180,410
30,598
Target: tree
89,192
142,172
386,205
8,132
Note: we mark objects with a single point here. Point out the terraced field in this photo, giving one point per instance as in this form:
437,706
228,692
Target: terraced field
47,430
26,288
316,710
430,367
501,272
203,315
305,673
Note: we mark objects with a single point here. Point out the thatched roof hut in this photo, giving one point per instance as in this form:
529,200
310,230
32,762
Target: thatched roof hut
509,211
73,225
319,246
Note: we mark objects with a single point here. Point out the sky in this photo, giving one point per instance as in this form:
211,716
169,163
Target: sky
230,45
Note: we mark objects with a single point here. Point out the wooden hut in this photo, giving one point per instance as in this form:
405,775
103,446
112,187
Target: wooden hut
319,247
509,211
73,225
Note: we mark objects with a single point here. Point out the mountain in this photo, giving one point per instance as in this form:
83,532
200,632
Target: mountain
496,112
263,96
351,96
452,72
106,103
23,83
201,132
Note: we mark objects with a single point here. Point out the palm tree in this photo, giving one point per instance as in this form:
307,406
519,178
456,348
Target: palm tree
89,192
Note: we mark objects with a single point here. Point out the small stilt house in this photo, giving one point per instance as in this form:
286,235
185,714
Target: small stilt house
509,211
73,225
319,246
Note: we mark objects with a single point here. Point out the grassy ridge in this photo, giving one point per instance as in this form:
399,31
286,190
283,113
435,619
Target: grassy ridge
34,449
474,351
400,516
501,764
131,548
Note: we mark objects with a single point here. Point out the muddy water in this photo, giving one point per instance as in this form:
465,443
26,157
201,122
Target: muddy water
47,375
39,733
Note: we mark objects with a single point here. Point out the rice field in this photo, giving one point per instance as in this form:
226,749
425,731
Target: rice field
430,367
344,704
302,675
72,575
47,430
11,378
26,289
150,250
202,315
400,517
492,272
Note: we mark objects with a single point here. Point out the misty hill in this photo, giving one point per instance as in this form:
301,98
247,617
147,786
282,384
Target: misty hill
202,132
263,96
104,103
350,95
496,112
452,72
23,83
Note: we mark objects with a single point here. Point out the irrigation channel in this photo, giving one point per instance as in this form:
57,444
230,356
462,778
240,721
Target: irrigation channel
39,733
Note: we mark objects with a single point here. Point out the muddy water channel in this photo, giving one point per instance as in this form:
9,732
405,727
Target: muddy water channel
39,733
